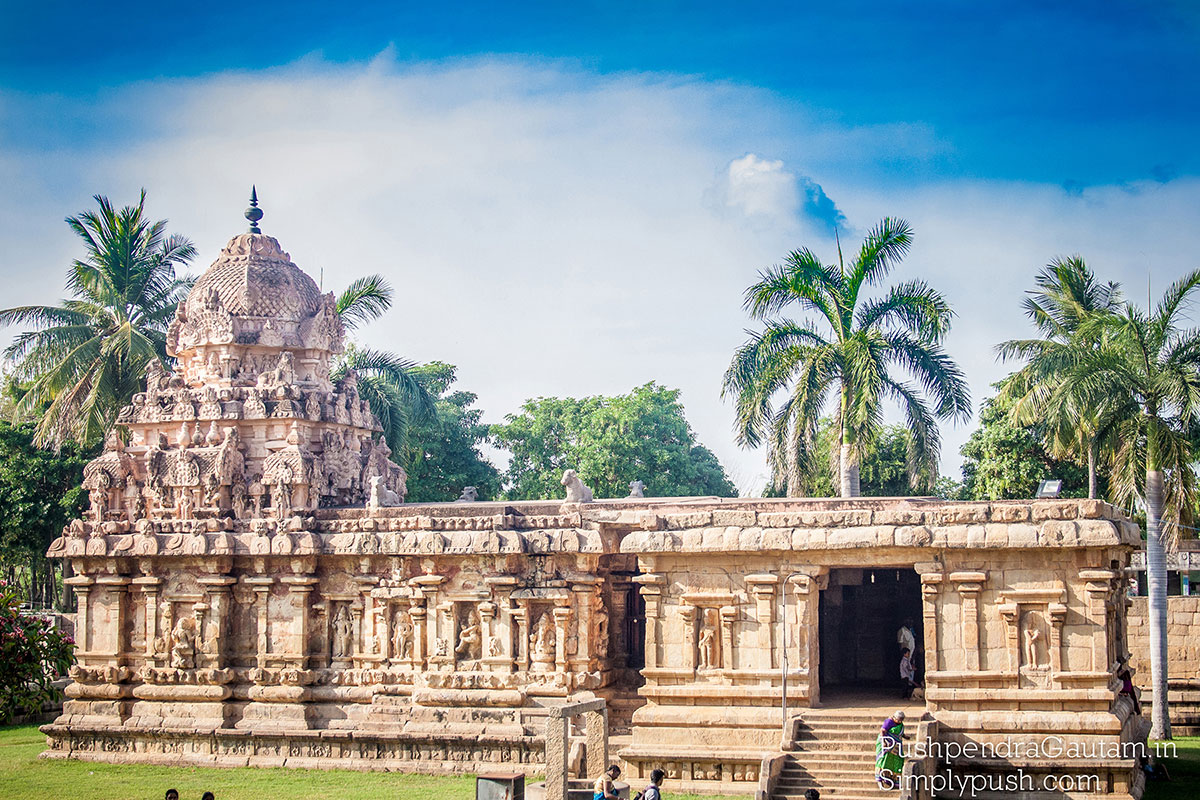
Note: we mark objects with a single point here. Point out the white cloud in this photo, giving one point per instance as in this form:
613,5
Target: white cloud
552,232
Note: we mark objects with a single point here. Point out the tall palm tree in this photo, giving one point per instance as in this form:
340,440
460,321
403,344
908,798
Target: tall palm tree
387,381
850,354
1150,368
84,359
1076,426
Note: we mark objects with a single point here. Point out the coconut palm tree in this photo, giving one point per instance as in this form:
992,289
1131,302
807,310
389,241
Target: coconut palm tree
849,353
1077,426
387,381
1149,367
84,359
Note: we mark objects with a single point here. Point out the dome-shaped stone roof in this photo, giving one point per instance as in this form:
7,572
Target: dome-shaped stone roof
254,277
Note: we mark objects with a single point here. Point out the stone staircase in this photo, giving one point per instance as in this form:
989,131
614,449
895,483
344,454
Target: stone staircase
834,753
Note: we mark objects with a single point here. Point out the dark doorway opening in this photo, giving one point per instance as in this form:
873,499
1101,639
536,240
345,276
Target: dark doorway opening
861,613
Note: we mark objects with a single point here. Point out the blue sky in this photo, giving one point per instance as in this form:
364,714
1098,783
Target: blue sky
583,189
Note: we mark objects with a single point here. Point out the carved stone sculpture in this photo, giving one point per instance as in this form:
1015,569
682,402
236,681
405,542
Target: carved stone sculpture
469,495
343,633
577,491
402,639
637,489
381,495
183,644
469,638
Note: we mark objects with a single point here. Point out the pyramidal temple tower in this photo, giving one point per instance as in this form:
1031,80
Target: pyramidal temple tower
249,425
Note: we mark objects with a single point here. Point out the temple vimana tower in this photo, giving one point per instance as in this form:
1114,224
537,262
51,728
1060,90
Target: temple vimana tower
252,590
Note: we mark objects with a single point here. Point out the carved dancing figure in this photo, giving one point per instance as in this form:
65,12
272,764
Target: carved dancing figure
183,644
468,638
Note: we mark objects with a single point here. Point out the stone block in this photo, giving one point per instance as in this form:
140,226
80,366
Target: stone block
961,513
744,519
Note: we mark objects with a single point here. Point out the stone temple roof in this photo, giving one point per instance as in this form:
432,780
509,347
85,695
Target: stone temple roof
254,277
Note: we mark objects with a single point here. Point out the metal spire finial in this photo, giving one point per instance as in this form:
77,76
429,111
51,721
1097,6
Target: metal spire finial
254,213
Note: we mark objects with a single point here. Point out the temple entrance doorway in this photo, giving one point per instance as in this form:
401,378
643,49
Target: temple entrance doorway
861,613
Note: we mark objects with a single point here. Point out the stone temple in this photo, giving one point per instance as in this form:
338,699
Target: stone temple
251,590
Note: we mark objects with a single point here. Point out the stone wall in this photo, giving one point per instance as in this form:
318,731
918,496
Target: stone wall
1183,669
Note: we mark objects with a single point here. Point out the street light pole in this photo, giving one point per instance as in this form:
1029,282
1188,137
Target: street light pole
784,643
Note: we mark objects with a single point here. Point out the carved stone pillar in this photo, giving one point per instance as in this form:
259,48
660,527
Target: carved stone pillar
1011,614
969,585
521,641
763,589
505,622
149,588
1058,615
217,592
562,622
299,590
688,615
82,585
584,596
1098,585
417,614
117,586
807,589
728,617
652,587
262,596
931,589
619,600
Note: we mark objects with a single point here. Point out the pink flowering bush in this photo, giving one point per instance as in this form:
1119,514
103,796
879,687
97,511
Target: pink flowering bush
32,654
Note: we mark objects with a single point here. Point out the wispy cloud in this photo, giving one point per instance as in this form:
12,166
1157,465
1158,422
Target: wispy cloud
554,232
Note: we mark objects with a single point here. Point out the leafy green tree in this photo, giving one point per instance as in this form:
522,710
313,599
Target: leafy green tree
39,493
850,355
884,469
609,441
1075,426
386,381
1005,461
442,454
1149,368
84,359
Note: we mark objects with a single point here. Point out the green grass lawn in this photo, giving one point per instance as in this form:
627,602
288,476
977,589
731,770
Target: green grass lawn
24,776
1185,773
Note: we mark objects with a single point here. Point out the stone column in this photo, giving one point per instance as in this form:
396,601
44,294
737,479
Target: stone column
584,594
931,588
262,595
82,585
1011,613
217,590
970,584
1058,615
807,589
520,616
652,587
1098,585
562,621
556,756
117,587
149,587
763,589
597,741
417,613
299,589
688,615
728,616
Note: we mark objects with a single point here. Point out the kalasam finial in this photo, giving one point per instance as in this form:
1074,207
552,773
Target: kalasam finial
254,213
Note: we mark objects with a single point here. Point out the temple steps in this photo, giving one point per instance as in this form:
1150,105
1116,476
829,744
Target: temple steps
834,753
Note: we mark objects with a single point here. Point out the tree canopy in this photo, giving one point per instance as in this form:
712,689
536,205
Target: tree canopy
1005,461
442,452
609,441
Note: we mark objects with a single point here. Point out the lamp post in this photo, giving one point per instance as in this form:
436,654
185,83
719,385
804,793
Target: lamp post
784,660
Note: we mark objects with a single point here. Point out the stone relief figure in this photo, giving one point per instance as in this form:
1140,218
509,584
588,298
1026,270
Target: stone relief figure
402,639
708,647
163,643
183,644
98,500
254,407
542,642
441,648
493,647
342,633
469,495
637,489
1032,643
469,638
577,491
